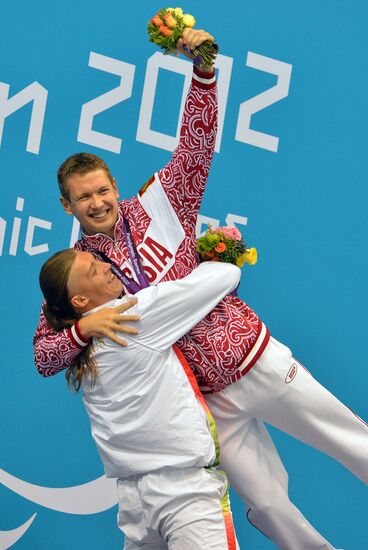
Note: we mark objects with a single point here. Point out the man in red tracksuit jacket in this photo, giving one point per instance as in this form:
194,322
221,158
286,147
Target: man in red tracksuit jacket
248,377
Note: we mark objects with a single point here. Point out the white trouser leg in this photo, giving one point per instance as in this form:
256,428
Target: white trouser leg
297,404
280,391
257,474
177,509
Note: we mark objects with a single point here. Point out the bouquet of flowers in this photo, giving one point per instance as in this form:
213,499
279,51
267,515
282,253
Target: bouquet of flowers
166,27
225,244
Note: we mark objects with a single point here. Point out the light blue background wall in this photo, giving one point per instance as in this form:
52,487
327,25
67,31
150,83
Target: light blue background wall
306,206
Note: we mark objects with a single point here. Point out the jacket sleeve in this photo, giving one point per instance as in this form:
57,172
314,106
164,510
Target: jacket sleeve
55,351
170,309
185,176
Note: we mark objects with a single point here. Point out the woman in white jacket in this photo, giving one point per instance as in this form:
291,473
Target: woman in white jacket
150,423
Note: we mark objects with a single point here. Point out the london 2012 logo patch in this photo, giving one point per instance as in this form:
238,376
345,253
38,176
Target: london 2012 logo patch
292,373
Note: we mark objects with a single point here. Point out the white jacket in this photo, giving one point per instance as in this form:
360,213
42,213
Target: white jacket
143,411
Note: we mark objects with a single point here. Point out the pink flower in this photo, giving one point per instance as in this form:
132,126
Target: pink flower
229,232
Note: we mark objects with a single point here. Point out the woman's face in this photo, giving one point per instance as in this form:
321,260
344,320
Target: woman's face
93,280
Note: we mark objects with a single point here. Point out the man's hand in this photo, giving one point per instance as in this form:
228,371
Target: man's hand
107,321
190,40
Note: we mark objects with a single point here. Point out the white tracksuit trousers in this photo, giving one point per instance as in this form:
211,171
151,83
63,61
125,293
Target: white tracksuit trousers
278,390
176,509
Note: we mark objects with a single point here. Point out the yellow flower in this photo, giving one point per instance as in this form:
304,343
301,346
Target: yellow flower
249,257
178,11
188,20
241,260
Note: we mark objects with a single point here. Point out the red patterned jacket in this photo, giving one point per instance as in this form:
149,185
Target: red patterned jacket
162,219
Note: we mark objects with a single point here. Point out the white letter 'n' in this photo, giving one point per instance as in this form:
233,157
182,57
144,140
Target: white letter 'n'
35,93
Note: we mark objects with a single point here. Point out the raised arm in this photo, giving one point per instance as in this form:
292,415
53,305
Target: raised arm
170,309
56,351
185,176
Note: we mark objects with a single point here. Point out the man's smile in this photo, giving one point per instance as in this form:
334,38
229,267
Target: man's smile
100,215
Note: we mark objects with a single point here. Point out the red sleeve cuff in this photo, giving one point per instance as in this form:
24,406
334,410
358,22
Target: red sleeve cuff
202,74
204,80
79,339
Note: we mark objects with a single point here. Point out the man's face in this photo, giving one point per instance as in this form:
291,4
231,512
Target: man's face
91,282
93,200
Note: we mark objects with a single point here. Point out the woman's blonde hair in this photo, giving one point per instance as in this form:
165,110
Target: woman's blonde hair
60,314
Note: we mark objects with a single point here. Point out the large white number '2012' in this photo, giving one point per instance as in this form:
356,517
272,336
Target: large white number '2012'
38,95
146,134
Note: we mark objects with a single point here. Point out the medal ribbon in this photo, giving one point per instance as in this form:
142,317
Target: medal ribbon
131,286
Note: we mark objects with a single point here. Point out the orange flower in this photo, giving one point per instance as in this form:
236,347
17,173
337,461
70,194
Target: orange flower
169,20
221,247
165,31
210,253
157,21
